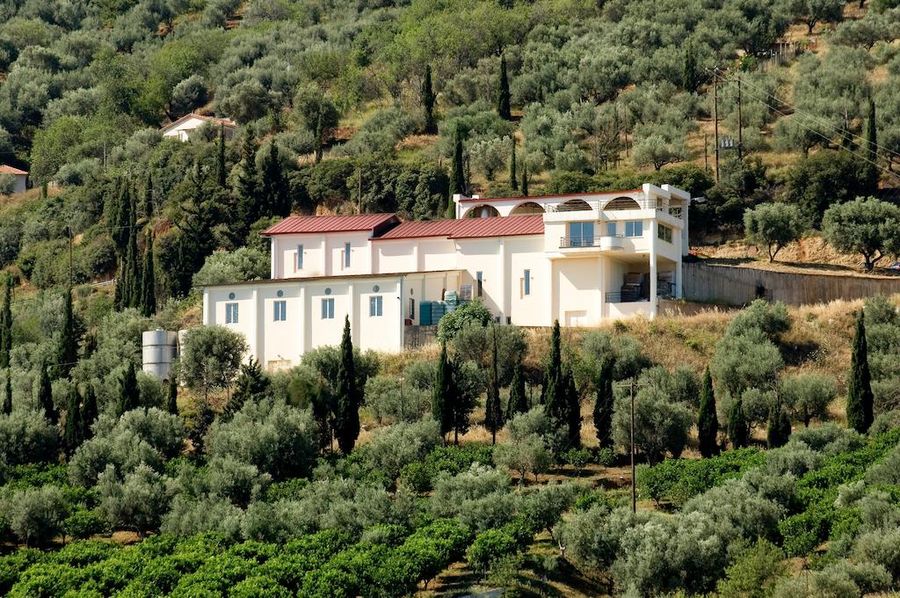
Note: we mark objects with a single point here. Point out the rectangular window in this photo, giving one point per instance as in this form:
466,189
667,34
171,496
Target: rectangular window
346,255
634,228
479,278
299,257
581,234
664,233
280,311
412,309
328,308
376,306
611,229
527,282
231,313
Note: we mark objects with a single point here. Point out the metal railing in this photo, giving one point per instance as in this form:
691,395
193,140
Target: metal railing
580,241
664,290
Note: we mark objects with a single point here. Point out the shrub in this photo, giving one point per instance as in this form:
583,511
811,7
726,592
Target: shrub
137,502
473,313
808,396
490,545
36,515
27,437
278,439
397,446
452,459
753,573
772,319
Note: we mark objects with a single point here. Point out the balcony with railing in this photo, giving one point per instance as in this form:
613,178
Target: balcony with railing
664,290
599,242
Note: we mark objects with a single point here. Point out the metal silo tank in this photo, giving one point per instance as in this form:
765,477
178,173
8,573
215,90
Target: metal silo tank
159,351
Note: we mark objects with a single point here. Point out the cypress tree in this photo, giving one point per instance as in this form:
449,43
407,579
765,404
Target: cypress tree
6,322
859,387
518,400
89,411
252,384
457,175
573,412
428,99
738,429
557,401
172,394
148,280
503,109
72,431
442,395
247,181
129,393
524,178
553,370
689,71
67,350
493,415
45,395
603,406
513,181
323,412
779,429
320,137
348,399
123,218
7,395
276,200
148,197
221,167
707,420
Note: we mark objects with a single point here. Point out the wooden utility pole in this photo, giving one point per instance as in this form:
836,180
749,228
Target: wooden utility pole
740,123
706,152
633,476
71,276
716,117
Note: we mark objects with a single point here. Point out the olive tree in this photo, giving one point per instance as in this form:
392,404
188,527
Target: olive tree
211,358
138,501
868,226
36,515
807,396
660,425
773,226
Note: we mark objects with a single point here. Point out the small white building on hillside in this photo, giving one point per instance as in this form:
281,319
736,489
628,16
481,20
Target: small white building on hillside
20,176
182,128
580,259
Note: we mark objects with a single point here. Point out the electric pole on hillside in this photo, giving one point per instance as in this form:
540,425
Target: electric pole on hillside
740,147
632,387
716,117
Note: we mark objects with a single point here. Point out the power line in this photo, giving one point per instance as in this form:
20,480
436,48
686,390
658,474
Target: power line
817,132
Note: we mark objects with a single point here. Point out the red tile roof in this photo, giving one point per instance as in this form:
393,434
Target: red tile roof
487,200
4,169
293,225
468,228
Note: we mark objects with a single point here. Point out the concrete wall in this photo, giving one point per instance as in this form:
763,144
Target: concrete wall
731,285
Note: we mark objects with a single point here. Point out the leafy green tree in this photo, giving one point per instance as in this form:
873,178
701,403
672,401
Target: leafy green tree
428,99
252,385
824,179
347,392
859,387
503,96
808,396
473,313
753,572
6,322
493,412
211,357
518,400
67,352
172,394
273,187
247,182
147,299
603,405
7,395
867,226
137,502
660,425
457,174
149,205
814,11
45,395
36,515
738,428
513,180
444,393
773,226
129,392
72,431
88,411
779,428
707,420
221,166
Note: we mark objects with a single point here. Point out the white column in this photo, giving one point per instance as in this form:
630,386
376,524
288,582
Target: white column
207,315
653,273
353,313
256,344
503,287
326,258
274,261
303,331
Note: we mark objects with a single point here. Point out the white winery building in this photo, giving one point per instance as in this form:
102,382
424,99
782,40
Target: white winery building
580,259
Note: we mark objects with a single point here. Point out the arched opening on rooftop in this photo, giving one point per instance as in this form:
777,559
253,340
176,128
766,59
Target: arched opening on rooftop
527,208
482,211
622,203
574,205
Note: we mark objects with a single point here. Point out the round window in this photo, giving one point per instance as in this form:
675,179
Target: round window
231,295
376,288
328,290
280,293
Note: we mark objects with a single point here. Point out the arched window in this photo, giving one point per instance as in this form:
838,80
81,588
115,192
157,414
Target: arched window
574,205
527,208
622,203
482,211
